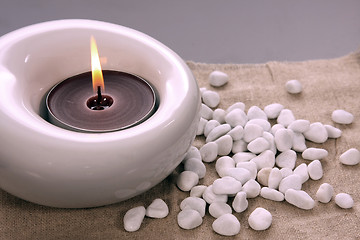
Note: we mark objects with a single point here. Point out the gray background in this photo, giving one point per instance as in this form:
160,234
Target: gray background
228,31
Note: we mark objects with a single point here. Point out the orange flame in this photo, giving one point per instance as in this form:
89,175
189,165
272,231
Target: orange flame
97,76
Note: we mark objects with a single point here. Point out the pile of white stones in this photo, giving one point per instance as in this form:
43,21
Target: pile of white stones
254,158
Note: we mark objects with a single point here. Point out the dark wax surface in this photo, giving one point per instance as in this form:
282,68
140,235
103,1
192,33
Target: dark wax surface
134,101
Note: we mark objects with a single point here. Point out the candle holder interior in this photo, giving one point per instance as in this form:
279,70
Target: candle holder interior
48,165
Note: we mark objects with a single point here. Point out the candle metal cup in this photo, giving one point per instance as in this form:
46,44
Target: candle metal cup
52,166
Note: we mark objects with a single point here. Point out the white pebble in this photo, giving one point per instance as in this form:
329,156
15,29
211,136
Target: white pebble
276,127
290,182
286,172
222,164
236,133
255,112
252,188
203,89
286,159
218,132
226,225
271,194
219,115
302,172
258,145
275,178
315,170
299,125
193,152
298,142
344,200
285,117
211,98
226,185
157,209
314,153
293,86
341,116
225,144
350,157
263,176
240,174
260,219
270,138
240,203
218,78
252,131
243,157
283,139
299,199
133,218
264,159
266,126
325,193
217,209
273,110
206,112
317,133
236,117
197,191
195,165
332,131
239,105
209,196
209,152
194,203
209,126
187,180
189,219
201,126
250,166
239,146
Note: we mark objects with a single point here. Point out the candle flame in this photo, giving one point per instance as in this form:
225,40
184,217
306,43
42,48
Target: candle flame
97,76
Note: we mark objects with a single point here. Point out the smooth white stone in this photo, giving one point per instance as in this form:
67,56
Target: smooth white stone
317,133
293,86
203,89
252,131
219,115
189,219
209,126
222,164
225,144
239,146
236,117
299,199
315,170
302,172
133,218
275,178
265,159
299,125
210,98
236,133
226,185
285,117
350,157
197,191
314,153
332,131
255,112
252,188
286,172
270,138
218,132
271,194
273,110
209,196
263,176
243,157
217,209
275,128
201,126
298,142
341,116
240,203
194,203
209,152
240,174
266,126
260,219
226,225
290,182
250,166
325,193
196,166
258,145
344,200
206,112
218,78
193,152
157,209
283,139
286,159
239,105
187,180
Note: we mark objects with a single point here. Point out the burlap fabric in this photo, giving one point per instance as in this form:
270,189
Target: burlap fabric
327,85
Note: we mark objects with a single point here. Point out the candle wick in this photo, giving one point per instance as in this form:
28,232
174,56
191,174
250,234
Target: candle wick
99,97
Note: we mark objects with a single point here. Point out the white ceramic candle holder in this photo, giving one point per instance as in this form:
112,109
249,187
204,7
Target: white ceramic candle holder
48,165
